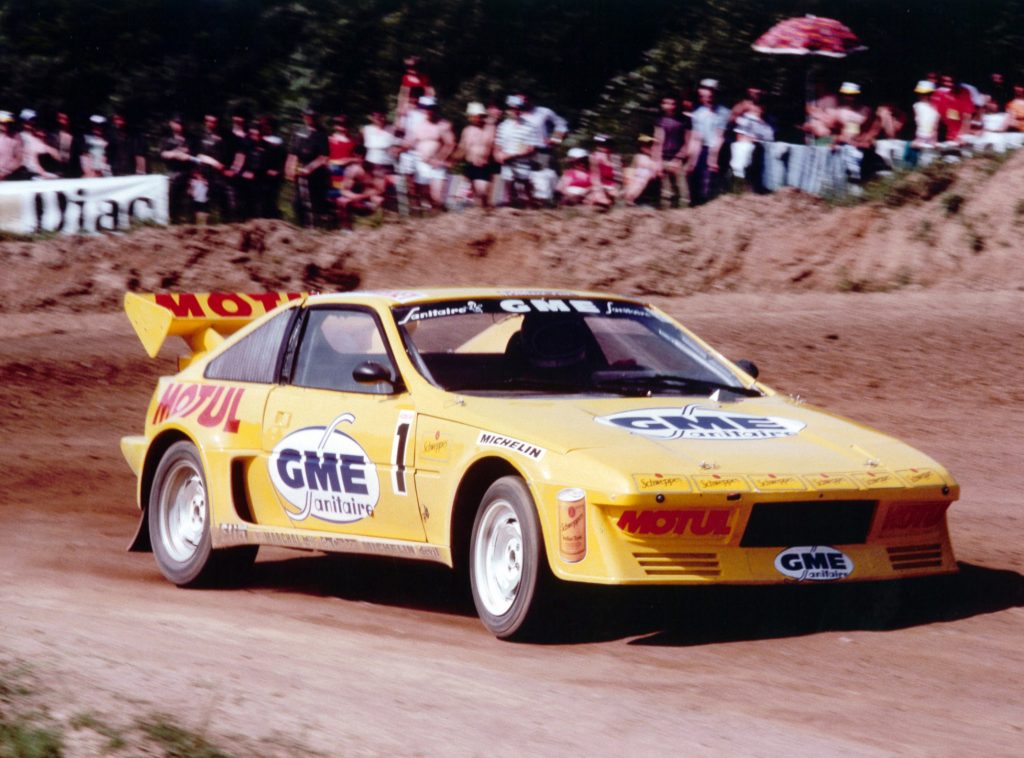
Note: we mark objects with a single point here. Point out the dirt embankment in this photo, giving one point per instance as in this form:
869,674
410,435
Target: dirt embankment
952,232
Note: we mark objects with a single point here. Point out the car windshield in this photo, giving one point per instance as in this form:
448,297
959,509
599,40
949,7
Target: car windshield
558,345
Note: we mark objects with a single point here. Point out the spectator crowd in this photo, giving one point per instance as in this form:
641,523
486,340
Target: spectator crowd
516,152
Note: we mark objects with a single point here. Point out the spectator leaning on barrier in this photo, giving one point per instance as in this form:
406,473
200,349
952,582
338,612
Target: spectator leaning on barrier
362,192
68,146
126,149
35,151
176,153
605,171
10,149
476,147
705,143
215,158
95,159
850,118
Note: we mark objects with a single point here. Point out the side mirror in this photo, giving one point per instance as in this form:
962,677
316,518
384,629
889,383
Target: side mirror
749,366
371,372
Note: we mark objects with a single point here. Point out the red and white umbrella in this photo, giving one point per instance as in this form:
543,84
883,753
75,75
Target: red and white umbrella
809,35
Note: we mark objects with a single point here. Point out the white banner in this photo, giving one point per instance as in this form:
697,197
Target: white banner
71,206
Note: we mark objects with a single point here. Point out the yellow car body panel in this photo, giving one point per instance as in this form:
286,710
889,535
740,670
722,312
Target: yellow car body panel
658,507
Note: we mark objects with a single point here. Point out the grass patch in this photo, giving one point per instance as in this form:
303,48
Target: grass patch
22,735
115,739
177,741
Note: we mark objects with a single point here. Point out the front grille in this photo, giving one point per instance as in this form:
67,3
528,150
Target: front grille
915,556
822,522
655,563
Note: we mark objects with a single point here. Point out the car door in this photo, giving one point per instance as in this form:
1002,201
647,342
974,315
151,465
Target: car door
338,451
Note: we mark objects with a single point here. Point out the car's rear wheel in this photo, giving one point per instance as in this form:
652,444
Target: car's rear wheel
179,523
508,569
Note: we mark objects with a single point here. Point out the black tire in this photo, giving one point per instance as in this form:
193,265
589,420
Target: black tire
179,524
508,568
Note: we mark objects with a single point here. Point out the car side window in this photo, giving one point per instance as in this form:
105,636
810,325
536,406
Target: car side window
254,357
334,342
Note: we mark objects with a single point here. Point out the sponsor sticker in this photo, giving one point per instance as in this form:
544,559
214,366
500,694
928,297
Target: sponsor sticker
662,483
222,304
913,517
831,482
722,483
778,482
488,439
871,480
693,522
436,447
693,422
814,563
325,474
920,477
423,313
214,405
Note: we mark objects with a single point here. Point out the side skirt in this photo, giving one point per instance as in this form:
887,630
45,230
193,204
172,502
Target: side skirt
231,535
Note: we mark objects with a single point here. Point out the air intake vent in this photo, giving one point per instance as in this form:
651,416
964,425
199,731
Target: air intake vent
915,556
818,522
678,564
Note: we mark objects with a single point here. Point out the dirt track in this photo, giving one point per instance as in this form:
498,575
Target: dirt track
361,656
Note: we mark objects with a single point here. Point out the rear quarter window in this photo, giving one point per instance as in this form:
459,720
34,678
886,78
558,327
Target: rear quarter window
254,357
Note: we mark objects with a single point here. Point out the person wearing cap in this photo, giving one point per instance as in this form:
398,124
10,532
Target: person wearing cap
476,148
850,116
307,167
35,148
576,184
606,171
95,158
705,144
10,148
432,142
926,117
515,145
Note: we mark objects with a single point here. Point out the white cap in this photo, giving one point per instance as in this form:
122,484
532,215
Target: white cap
709,83
514,101
576,153
427,101
27,114
97,119
476,109
6,117
924,87
849,88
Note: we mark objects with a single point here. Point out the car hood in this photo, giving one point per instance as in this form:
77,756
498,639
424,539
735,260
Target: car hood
766,435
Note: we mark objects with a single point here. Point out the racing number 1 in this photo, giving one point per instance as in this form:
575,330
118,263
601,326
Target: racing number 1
405,419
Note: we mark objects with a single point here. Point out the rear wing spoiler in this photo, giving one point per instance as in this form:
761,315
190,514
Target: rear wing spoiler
201,319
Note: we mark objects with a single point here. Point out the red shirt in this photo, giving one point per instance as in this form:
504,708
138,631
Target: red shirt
955,109
411,80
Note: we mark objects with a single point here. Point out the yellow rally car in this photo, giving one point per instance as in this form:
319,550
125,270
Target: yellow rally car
520,436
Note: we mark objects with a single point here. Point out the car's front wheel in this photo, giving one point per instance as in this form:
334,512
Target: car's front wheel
179,523
508,569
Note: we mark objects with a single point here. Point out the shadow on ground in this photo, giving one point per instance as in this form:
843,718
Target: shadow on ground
679,616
